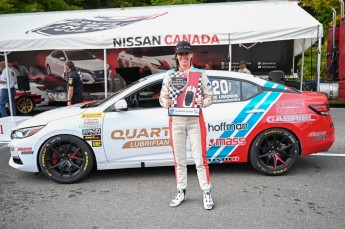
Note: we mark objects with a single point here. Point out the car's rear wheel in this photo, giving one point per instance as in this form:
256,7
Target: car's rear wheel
66,159
25,105
274,151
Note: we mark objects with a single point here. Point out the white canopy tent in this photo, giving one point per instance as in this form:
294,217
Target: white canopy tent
202,24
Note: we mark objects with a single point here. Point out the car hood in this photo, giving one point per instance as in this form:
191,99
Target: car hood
92,65
48,116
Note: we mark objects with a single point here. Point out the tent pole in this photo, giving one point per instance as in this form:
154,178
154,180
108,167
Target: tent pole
230,54
302,70
105,74
8,83
318,65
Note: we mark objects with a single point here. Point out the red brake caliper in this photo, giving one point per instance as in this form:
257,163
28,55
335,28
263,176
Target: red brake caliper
53,155
74,157
276,159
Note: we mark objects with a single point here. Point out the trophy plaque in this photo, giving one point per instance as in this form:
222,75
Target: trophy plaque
184,90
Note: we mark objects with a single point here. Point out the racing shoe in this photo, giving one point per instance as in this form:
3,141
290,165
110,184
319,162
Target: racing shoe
208,202
179,198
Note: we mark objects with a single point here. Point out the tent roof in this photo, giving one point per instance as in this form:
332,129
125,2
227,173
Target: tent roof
203,24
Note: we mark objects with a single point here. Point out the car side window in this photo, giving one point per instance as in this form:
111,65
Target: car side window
146,97
225,90
60,54
249,90
55,54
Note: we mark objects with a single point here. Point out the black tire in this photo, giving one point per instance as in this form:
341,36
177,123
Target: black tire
274,151
66,159
25,105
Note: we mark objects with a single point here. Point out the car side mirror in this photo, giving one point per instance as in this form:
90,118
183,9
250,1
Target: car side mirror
121,105
62,58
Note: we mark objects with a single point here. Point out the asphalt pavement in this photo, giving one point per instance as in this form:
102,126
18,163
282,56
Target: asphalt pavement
310,195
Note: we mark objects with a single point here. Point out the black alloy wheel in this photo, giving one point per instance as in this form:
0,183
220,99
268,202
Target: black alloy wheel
274,151
66,159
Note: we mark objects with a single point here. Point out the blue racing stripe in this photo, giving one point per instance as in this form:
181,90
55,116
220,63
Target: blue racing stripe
239,119
272,85
251,123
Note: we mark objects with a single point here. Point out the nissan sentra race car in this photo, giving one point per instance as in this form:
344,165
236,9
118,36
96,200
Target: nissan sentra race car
251,120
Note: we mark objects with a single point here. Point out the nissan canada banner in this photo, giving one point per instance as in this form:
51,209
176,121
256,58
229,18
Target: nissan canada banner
263,57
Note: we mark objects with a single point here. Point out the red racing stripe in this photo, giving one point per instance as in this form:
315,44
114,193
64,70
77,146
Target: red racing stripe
203,145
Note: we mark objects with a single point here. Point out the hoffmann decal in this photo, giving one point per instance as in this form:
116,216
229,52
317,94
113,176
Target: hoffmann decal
227,126
194,39
136,134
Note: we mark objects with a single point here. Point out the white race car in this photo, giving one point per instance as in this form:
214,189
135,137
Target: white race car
92,69
251,120
149,60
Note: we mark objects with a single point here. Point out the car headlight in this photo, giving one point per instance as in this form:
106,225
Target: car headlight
25,132
84,71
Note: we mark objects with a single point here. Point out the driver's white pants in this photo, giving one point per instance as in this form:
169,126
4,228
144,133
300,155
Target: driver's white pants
195,128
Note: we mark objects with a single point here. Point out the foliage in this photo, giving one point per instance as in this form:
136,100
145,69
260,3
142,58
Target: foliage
26,6
321,10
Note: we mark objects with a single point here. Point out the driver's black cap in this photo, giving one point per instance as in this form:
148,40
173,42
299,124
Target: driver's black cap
183,46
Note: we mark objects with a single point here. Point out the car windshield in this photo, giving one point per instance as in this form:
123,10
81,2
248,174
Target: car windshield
100,102
79,55
158,51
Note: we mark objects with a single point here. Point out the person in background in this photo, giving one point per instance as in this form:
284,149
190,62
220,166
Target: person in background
208,66
182,126
243,67
74,83
4,99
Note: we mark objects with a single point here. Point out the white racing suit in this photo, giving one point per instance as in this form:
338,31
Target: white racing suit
194,127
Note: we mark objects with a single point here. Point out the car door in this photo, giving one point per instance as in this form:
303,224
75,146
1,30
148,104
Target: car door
140,135
231,117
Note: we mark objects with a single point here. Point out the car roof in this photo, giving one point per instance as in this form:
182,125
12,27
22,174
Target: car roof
220,73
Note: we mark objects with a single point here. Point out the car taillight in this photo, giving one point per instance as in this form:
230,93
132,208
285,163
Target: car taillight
321,109
42,88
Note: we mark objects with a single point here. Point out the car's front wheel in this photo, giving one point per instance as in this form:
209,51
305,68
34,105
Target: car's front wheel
66,159
274,151
25,105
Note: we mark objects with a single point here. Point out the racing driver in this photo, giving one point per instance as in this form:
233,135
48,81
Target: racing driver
196,91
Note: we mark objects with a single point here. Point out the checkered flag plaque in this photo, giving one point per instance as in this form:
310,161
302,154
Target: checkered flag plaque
173,92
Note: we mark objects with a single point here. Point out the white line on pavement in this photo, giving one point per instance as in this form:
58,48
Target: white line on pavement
329,154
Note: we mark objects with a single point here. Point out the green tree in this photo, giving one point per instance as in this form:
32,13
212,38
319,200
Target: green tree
27,6
321,10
